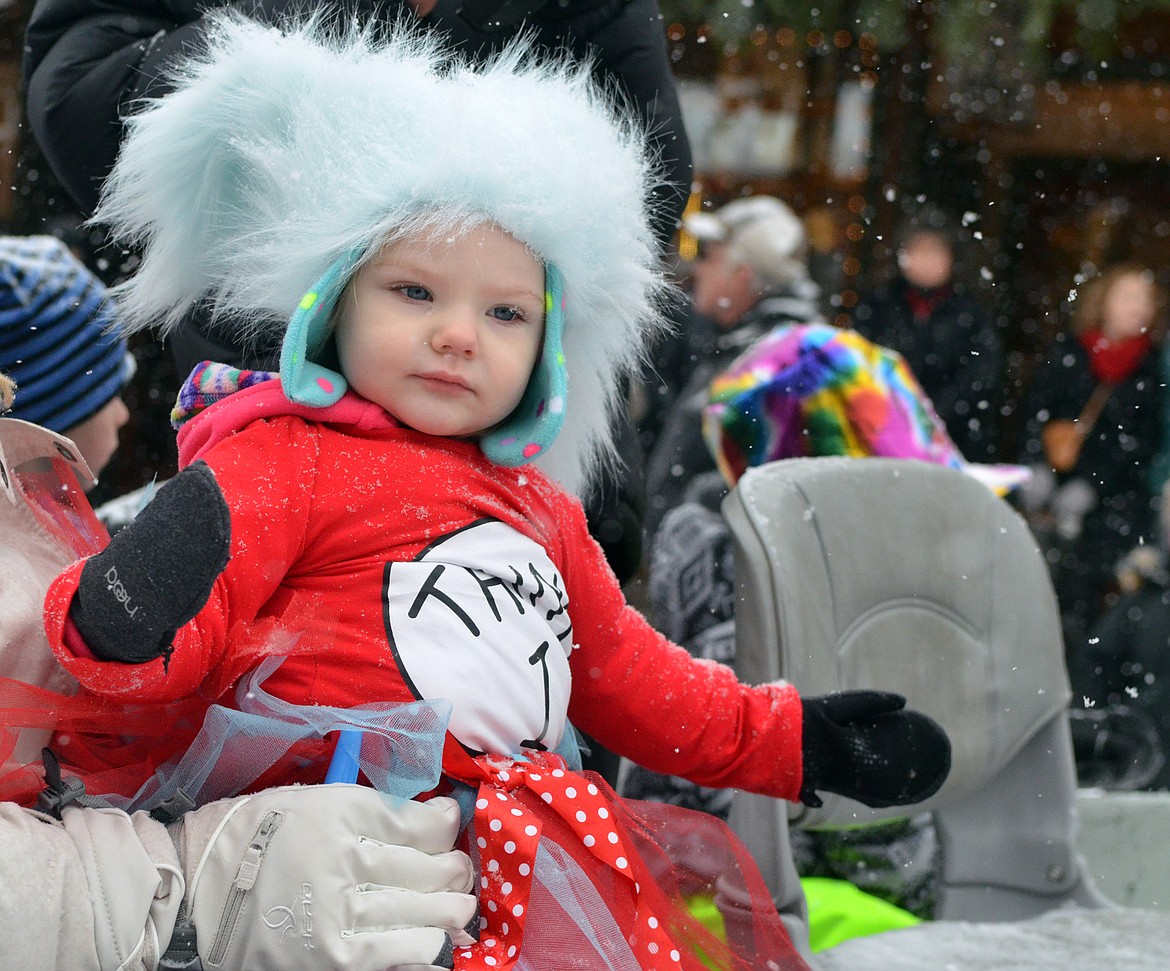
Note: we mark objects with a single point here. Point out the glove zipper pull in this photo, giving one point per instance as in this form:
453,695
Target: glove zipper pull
245,880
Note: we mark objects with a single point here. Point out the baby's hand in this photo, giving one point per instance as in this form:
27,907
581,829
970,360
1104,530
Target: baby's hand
865,745
157,573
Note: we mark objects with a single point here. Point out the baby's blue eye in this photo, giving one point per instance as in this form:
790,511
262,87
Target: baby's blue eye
412,291
507,314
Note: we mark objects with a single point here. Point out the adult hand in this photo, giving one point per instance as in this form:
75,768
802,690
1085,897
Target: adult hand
327,878
312,878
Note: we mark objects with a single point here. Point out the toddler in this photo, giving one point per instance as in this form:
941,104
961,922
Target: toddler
462,263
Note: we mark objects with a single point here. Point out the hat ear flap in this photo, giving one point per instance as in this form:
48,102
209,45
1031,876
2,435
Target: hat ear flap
529,431
304,381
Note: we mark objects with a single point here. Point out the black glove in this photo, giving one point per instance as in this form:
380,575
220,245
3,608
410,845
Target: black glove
863,745
157,573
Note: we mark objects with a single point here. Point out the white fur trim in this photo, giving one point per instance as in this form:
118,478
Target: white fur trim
280,150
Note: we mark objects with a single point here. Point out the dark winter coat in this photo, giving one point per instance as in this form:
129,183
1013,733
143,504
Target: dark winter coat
1114,461
1127,661
1116,454
956,354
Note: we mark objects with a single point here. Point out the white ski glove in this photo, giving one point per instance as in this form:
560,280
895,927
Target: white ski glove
327,877
88,893
314,878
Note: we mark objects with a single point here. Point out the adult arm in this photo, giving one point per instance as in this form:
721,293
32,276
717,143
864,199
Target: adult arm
1057,392
368,883
88,62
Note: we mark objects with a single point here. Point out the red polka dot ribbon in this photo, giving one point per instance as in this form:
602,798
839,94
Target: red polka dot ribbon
507,829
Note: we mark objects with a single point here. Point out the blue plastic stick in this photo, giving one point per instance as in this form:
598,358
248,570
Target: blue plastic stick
344,765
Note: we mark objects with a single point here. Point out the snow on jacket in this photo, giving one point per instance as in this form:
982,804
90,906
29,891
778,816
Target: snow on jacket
440,575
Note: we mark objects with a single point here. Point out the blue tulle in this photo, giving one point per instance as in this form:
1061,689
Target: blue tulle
400,752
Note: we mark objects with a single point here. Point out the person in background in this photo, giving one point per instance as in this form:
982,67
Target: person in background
929,315
60,344
751,277
1121,686
1093,423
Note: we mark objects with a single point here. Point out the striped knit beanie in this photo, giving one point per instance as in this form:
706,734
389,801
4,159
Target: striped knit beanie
58,337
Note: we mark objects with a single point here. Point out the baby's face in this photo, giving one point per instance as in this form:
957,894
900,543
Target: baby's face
443,332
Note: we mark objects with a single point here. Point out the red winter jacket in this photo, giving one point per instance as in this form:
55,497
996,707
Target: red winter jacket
434,573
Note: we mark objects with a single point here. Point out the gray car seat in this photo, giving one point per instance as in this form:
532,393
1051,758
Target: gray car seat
911,577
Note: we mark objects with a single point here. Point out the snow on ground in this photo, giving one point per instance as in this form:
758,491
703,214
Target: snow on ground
1123,939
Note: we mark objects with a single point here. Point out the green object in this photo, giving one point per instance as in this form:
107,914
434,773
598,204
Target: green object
703,909
838,911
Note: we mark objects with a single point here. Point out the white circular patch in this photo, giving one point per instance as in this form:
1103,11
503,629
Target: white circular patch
481,618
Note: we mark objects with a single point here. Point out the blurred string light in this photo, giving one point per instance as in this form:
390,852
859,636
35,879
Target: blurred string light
688,244
960,28
731,21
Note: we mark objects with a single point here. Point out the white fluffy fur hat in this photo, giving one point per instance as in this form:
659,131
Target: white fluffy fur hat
281,151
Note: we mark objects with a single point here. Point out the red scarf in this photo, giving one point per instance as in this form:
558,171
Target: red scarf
1114,361
923,303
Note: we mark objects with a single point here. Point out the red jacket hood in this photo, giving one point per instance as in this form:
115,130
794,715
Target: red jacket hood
267,400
